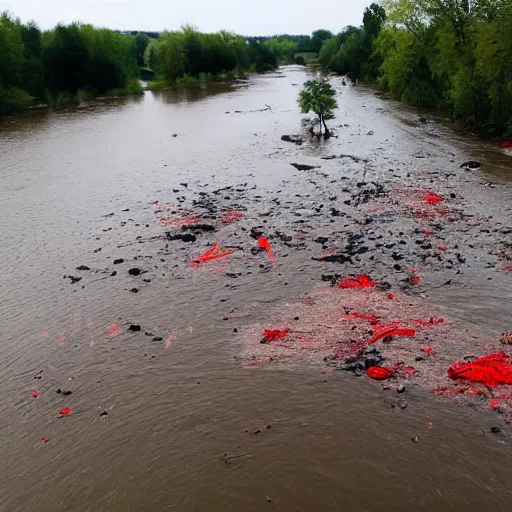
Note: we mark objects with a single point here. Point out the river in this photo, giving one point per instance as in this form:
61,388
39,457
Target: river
170,418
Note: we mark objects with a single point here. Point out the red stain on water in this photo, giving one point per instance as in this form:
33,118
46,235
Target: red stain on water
265,244
171,338
65,411
390,296
44,333
35,394
114,329
45,439
506,144
232,216
62,339
430,426
429,351
506,268
432,198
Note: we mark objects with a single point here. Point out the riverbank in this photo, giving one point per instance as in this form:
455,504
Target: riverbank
109,209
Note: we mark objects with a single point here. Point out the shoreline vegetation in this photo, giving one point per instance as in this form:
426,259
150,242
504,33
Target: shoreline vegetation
75,63
454,56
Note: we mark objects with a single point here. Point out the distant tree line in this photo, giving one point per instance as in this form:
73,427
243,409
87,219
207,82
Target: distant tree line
76,62
455,54
64,64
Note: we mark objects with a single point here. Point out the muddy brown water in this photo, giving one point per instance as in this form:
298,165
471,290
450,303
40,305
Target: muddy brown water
188,427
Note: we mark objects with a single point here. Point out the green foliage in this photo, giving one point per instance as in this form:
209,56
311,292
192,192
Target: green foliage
188,56
68,64
430,53
318,37
352,51
142,41
319,97
283,49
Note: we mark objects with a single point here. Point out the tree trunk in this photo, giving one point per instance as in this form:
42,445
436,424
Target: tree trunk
320,125
327,133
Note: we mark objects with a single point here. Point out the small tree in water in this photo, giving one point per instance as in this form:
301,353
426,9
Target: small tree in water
318,96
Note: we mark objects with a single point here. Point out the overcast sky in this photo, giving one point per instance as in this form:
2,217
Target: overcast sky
247,17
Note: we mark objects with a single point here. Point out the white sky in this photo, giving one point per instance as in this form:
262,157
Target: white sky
247,17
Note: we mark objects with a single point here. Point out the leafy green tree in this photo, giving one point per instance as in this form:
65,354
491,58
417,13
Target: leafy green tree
283,49
318,37
319,97
142,41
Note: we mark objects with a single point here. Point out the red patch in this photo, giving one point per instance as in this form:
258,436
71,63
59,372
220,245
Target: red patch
494,403
441,248
45,439
362,281
230,217
35,394
265,244
492,370
114,329
390,330
212,254
66,411
378,373
432,198
275,334
429,351
506,144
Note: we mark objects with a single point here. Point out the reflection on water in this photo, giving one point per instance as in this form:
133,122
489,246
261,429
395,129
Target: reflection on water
195,93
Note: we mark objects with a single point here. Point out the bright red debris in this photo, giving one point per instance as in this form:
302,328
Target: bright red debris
429,351
265,244
212,254
384,331
35,394
432,198
390,296
491,370
45,439
65,411
441,248
506,144
378,373
362,281
275,334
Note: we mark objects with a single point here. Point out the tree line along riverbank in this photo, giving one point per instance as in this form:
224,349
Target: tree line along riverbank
450,54
77,62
